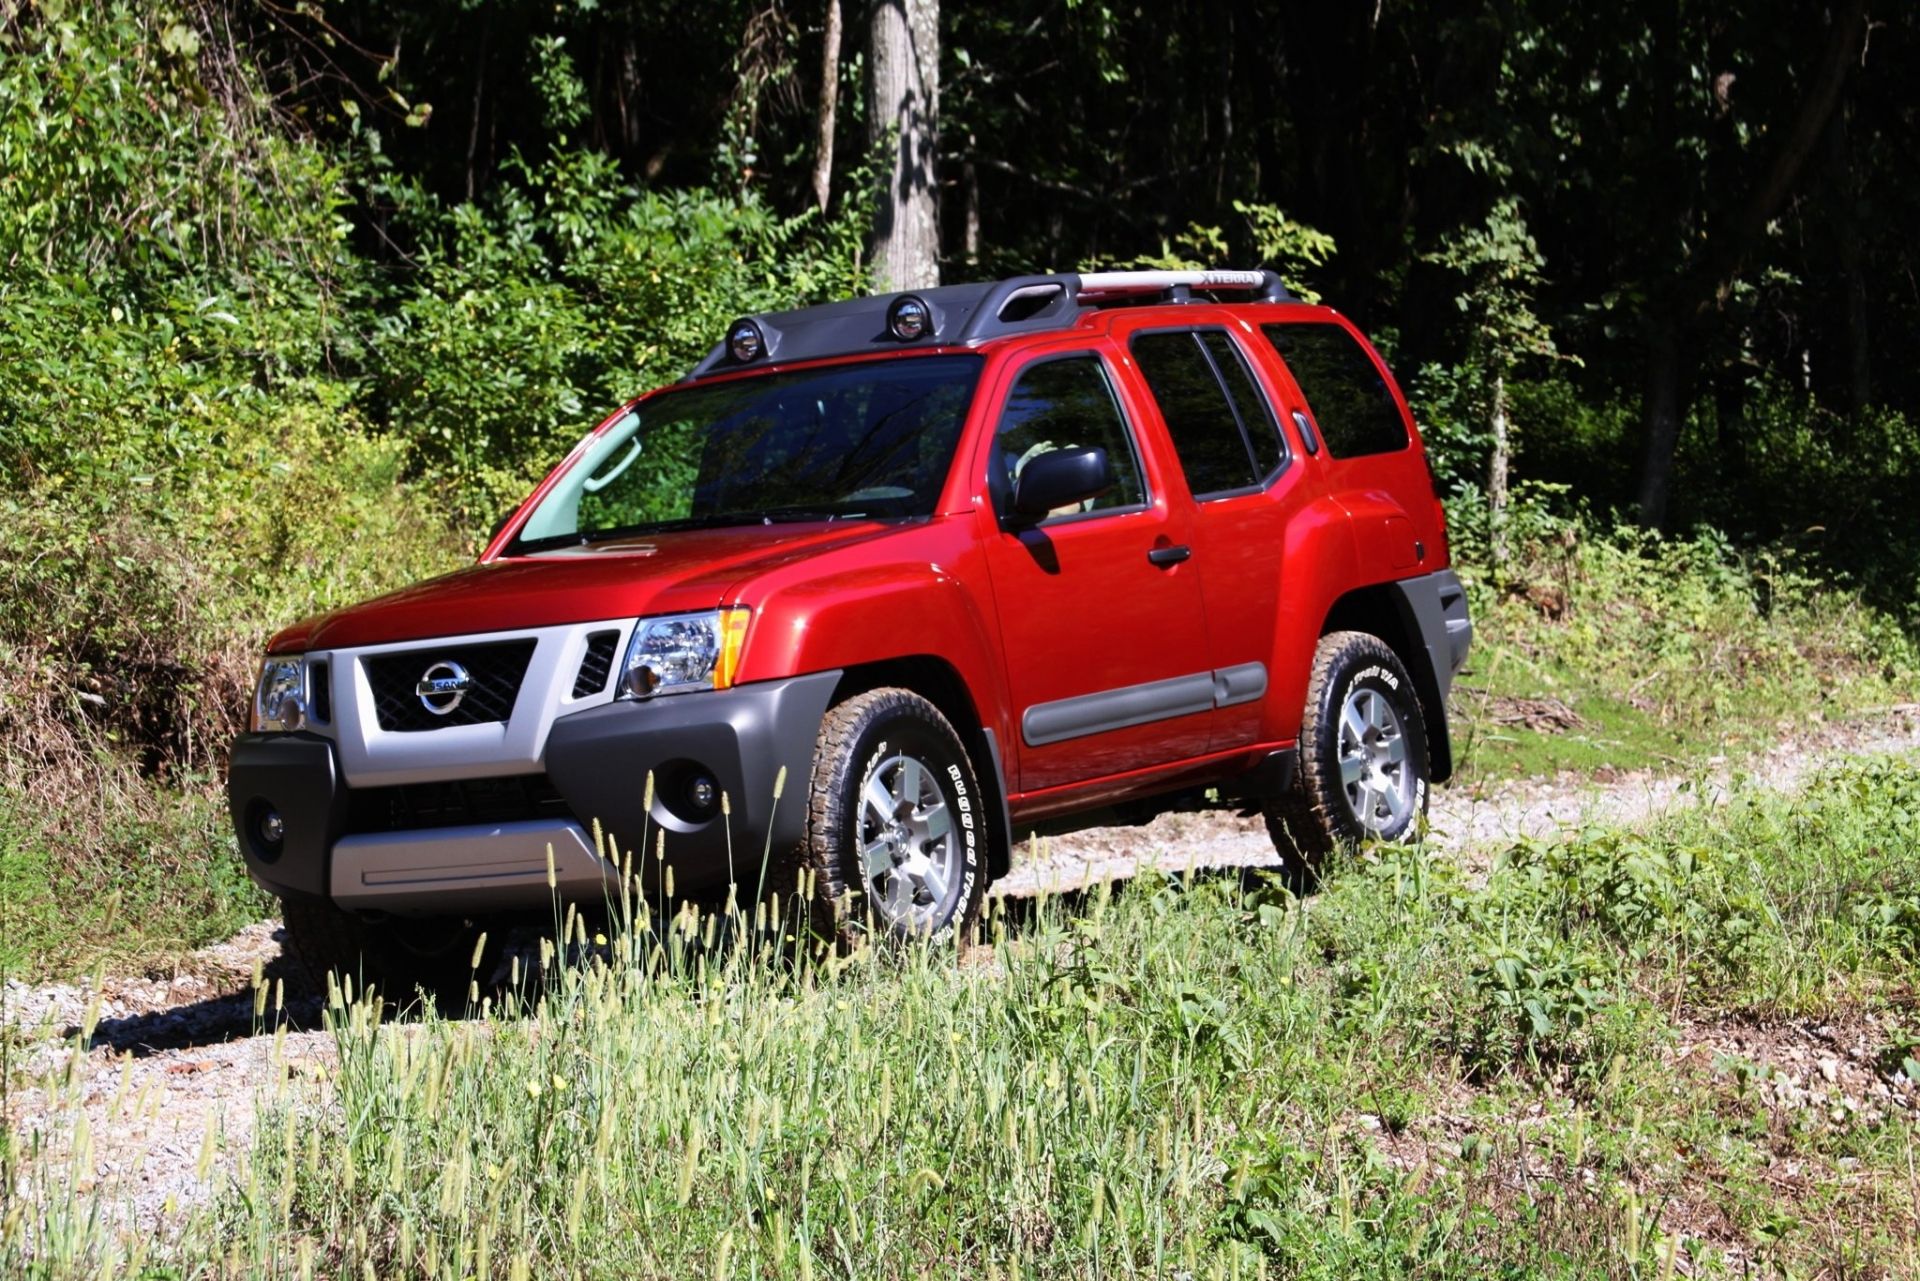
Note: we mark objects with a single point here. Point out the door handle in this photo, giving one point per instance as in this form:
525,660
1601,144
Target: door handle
1165,556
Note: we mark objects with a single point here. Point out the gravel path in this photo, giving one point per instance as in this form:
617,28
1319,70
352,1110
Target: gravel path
171,1060
1472,822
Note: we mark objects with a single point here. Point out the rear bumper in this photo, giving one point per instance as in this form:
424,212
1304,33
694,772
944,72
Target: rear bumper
754,741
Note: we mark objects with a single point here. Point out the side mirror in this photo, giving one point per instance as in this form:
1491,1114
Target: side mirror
1060,478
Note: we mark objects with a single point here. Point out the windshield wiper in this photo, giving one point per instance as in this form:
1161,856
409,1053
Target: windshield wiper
773,515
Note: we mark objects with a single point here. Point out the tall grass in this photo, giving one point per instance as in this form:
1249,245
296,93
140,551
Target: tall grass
1408,1074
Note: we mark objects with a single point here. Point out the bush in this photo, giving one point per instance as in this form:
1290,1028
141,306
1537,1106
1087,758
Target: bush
184,470
564,294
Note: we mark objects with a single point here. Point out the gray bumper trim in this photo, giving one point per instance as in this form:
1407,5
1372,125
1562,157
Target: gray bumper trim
450,870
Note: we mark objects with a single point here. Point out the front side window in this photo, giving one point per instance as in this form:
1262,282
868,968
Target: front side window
1061,404
1350,402
868,440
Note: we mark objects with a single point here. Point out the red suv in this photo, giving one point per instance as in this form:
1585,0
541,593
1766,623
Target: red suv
877,586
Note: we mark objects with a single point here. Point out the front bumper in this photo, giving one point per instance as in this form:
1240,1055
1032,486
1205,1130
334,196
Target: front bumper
753,740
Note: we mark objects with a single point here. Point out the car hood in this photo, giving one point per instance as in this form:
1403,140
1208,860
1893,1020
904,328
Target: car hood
664,573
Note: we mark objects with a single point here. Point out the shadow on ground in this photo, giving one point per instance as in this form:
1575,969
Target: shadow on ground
217,1020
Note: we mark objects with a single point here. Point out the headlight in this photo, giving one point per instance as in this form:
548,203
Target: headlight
280,703
682,652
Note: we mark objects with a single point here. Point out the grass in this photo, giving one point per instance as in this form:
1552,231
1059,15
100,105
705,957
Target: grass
161,880
1598,653
1410,1074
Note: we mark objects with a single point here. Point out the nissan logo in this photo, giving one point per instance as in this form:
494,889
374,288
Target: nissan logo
443,686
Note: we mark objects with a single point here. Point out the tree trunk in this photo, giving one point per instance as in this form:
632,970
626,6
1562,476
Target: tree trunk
1497,474
904,53
1661,412
1853,274
479,84
829,104
970,183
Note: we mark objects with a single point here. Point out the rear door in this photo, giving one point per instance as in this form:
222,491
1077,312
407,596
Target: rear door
1240,470
1100,615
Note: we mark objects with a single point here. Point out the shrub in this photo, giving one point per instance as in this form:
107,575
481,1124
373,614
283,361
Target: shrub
565,293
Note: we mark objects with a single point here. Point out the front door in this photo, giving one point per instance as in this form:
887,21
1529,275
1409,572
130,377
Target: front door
1100,613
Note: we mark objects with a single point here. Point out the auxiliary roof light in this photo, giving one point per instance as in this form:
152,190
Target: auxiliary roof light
745,342
909,318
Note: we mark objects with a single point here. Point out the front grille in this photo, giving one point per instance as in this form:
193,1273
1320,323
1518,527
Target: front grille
456,803
497,668
320,684
595,664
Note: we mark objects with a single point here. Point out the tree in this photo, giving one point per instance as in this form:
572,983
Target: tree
1714,261
1502,266
903,116
829,108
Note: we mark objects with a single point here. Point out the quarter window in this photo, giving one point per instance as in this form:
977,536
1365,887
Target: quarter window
1060,404
1349,398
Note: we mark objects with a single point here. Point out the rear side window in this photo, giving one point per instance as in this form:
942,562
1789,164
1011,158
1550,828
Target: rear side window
1249,402
1059,404
1349,399
1213,430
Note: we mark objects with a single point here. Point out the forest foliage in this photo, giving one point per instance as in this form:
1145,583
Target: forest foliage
296,300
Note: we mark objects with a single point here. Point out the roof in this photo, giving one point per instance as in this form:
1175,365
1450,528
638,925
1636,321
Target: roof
975,313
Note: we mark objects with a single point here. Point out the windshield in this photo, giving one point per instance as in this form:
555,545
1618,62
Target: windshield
872,439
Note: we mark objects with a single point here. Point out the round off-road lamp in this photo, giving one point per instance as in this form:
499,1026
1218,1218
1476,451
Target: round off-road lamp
909,319
745,342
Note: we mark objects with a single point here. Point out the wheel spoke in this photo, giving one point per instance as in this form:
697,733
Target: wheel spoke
935,820
932,876
1369,802
913,780
898,904
1377,712
1352,724
877,858
1396,749
1352,769
880,804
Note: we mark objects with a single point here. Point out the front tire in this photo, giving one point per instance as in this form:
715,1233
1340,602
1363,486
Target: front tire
895,844
1363,773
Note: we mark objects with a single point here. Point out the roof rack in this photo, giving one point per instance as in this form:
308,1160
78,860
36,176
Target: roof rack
961,314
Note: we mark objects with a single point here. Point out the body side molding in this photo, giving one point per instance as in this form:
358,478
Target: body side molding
1111,709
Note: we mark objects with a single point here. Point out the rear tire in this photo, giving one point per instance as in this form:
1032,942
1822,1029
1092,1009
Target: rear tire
1363,773
895,844
399,959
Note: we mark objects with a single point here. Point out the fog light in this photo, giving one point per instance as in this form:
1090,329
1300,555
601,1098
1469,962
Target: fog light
273,828
703,793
